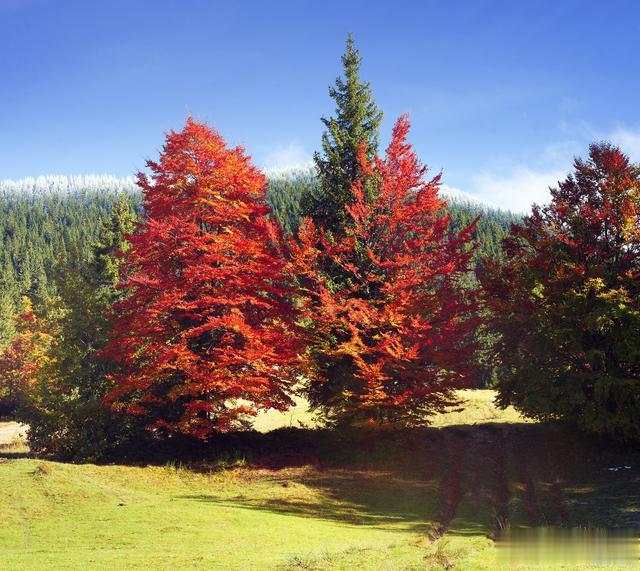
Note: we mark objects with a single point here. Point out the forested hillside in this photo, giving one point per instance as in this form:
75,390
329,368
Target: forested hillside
42,219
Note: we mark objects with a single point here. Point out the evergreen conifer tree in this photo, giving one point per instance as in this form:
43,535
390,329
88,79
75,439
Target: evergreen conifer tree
357,120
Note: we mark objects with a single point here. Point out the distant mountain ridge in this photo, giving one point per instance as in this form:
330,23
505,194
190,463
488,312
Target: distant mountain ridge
68,184
452,194
83,183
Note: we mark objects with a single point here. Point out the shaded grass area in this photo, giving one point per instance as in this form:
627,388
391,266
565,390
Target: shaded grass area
316,499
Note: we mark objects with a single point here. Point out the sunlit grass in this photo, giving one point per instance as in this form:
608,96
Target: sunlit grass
477,406
13,439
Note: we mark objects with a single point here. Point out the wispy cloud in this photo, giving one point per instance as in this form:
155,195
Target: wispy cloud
516,186
519,186
628,140
582,133
287,157
562,153
518,189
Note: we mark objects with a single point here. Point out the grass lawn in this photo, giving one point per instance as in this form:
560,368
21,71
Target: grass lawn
313,499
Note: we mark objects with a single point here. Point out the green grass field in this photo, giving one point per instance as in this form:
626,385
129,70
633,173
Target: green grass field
313,499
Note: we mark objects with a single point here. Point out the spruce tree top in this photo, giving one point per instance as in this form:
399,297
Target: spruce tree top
356,120
112,239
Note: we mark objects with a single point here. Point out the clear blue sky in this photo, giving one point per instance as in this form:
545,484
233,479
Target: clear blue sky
501,94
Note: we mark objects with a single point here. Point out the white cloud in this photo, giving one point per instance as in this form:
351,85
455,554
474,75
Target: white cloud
287,157
583,133
516,187
628,140
517,190
578,129
562,153
520,185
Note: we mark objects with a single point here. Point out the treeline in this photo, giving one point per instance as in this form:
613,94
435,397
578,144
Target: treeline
287,189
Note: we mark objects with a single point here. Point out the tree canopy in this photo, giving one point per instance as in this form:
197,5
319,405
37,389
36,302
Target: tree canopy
205,334
391,338
565,304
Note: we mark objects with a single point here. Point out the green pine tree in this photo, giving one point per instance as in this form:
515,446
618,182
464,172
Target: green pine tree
7,325
357,120
112,238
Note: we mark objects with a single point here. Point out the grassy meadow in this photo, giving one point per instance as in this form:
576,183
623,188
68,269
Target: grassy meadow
306,498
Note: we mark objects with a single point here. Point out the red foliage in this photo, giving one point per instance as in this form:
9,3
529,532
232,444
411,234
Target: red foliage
390,327
204,335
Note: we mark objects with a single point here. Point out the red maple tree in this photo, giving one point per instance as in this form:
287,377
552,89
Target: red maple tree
565,302
389,324
204,336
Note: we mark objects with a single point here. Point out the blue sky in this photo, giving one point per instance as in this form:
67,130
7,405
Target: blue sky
501,94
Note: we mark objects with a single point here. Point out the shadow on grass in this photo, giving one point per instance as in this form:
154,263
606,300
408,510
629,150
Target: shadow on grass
7,455
354,497
463,480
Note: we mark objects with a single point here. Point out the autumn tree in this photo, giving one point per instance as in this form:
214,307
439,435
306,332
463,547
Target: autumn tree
565,304
204,336
357,119
390,330
22,360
